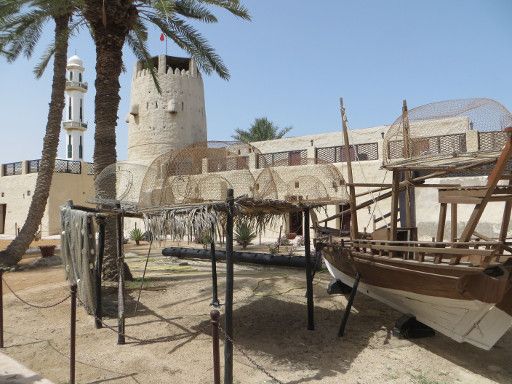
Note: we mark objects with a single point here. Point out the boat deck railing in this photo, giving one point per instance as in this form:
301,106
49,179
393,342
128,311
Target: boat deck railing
433,251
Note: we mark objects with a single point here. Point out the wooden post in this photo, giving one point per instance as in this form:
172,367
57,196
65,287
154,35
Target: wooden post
120,288
441,223
309,272
395,191
215,299
505,221
72,338
352,191
453,215
97,272
228,312
353,292
214,316
1,308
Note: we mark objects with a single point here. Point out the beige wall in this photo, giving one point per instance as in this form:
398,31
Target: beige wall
65,186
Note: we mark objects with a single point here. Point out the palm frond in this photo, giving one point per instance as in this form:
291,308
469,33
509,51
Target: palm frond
232,6
193,10
136,40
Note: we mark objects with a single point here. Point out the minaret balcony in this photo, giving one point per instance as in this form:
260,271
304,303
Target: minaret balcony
76,85
74,125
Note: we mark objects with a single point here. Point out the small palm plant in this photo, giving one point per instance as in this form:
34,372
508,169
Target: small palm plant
244,233
136,235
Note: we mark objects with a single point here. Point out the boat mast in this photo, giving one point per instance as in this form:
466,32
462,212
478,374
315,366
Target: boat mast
352,190
409,190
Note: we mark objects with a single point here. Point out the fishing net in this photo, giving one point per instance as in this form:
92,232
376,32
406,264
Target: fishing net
442,128
199,173
78,253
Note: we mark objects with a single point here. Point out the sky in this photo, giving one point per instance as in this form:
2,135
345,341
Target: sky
293,62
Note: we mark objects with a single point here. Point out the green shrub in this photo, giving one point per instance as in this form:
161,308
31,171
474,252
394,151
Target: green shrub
204,238
244,234
136,235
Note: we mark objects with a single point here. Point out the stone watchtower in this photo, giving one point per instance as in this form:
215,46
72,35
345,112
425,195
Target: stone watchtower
174,118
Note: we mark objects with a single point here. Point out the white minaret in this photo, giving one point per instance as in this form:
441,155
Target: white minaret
74,111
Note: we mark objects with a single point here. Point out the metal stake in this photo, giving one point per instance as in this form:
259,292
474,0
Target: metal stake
99,267
120,292
214,316
309,273
228,313
72,344
215,299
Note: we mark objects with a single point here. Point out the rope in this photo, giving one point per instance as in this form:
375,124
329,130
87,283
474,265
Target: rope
113,329
143,276
34,305
251,360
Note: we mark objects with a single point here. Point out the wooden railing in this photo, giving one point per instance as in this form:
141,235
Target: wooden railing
417,250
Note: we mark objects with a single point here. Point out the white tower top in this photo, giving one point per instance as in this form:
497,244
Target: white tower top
73,122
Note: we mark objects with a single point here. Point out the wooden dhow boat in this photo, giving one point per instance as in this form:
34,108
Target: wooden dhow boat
462,286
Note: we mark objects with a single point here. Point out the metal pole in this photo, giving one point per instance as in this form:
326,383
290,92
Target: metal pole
99,268
309,273
120,291
215,299
72,343
1,309
214,316
228,325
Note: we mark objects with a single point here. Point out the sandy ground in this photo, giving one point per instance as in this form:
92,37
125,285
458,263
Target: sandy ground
174,346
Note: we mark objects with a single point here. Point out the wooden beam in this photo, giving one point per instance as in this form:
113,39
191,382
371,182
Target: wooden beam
360,206
429,250
492,181
394,205
441,223
453,218
470,196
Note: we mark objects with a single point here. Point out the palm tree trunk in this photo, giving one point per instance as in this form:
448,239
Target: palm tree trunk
108,69
109,22
19,245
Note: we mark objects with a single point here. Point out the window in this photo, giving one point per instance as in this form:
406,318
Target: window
70,148
294,158
69,109
80,77
80,149
81,115
182,105
70,75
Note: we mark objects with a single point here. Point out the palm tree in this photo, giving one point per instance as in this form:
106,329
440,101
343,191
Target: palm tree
21,24
261,130
116,22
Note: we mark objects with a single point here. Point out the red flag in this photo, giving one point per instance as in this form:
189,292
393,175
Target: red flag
162,37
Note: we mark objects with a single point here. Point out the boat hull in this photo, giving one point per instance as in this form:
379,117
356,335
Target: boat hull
478,323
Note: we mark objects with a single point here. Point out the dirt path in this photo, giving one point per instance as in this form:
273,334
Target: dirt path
173,338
